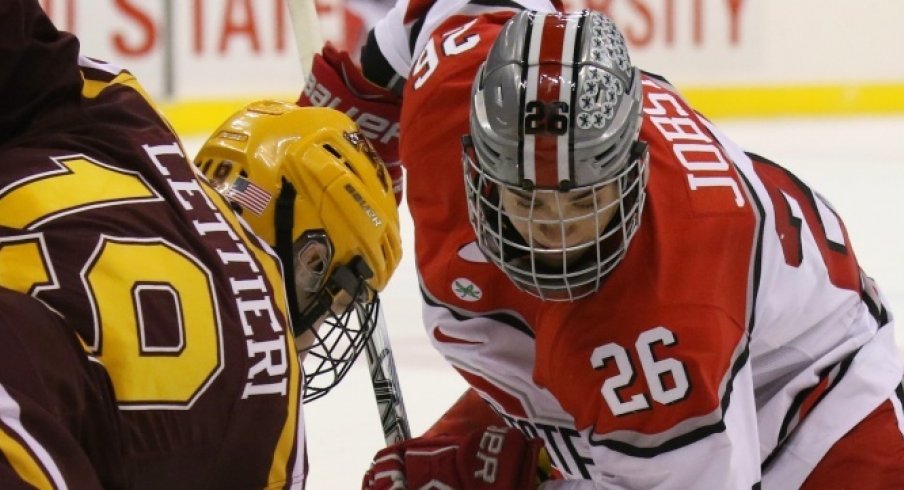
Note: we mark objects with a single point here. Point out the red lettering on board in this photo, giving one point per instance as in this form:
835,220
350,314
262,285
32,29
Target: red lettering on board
198,16
670,22
279,13
734,29
648,25
145,25
244,26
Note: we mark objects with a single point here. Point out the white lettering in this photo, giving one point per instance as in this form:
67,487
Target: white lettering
698,182
218,226
679,128
373,126
260,308
277,388
693,147
657,100
686,151
240,285
242,257
491,443
157,150
392,132
271,349
189,188
269,353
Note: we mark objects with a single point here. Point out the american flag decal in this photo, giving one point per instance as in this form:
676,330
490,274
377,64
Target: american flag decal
249,196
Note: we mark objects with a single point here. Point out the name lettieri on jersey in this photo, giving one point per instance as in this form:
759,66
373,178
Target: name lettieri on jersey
703,160
265,336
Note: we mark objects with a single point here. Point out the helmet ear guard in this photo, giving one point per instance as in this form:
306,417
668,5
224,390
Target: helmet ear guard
310,185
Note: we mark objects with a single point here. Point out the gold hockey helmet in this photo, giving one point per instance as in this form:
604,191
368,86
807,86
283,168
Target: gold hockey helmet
310,185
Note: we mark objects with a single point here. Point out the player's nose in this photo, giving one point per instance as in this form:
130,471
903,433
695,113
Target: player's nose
552,235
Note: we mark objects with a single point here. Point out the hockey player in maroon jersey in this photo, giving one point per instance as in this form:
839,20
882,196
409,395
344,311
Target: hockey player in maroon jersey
612,274
147,336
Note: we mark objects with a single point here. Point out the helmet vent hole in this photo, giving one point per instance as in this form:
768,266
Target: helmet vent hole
205,166
599,158
332,150
351,169
492,151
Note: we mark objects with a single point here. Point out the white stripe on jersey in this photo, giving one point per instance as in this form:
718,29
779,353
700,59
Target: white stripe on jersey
298,470
9,414
393,35
829,220
899,412
85,62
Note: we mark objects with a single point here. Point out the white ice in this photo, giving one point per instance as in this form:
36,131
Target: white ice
856,163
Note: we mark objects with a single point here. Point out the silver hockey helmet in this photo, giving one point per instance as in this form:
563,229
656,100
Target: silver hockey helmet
553,148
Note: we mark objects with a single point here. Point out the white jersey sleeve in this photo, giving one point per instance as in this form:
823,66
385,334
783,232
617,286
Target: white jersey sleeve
822,344
404,31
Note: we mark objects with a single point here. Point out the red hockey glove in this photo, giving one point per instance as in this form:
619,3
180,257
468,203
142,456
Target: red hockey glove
335,81
495,457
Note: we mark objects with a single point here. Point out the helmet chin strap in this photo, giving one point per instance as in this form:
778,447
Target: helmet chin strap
284,220
348,277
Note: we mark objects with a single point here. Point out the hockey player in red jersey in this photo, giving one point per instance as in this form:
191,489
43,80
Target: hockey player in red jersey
148,334
613,275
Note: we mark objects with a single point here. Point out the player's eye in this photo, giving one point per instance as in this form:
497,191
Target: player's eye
586,204
523,203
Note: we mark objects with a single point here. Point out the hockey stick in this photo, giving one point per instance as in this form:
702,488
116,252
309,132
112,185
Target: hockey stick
308,39
383,377
385,382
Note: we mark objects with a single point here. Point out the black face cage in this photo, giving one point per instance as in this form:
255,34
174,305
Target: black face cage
339,339
338,342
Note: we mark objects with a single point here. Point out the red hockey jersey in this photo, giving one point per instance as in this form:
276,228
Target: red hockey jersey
736,342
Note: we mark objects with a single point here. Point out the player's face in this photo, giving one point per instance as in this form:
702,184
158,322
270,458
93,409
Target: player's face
341,303
312,261
555,223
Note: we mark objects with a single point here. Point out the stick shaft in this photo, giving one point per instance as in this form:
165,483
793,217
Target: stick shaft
385,382
308,38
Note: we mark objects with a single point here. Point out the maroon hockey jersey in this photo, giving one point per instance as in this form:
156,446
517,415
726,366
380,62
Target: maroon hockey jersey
178,307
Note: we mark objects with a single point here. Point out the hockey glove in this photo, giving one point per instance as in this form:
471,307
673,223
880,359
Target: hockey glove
335,81
495,457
